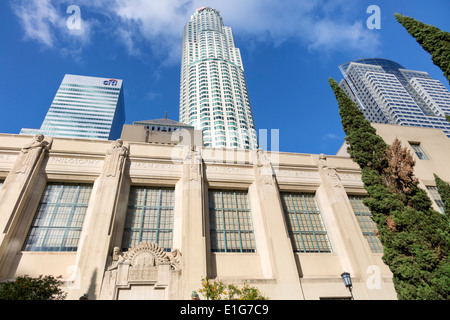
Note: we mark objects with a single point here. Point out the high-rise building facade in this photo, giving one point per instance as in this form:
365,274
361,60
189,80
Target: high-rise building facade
388,93
213,90
85,107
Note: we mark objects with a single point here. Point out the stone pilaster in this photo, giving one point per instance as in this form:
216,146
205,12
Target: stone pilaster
95,242
194,214
275,249
350,245
16,190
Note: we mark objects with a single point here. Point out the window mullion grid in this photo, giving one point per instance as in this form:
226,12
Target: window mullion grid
69,218
222,210
298,223
52,216
364,218
158,217
142,220
250,220
313,230
237,220
225,206
154,221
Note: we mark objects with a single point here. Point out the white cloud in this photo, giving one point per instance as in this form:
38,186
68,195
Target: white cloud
335,36
331,136
38,18
45,21
154,24
321,26
140,25
152,95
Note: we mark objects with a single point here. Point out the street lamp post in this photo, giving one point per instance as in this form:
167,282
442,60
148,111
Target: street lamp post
347,281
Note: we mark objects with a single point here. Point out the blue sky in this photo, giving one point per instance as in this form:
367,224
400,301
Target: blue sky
289,51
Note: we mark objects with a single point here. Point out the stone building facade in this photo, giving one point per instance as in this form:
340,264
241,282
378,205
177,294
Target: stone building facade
134,220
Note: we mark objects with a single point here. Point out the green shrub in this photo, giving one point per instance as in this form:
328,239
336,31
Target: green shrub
217,290
29,288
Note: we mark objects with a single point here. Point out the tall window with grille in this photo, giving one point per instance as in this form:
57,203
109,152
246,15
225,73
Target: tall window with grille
304,222
59,218
366,223
419,151
149,217
436,197
231,227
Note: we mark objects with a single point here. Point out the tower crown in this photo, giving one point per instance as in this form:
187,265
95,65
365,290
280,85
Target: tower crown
201,9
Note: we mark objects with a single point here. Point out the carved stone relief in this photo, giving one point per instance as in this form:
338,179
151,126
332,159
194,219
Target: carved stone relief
330,171
115,157
30,153
145,271
264,168
146,255
193,158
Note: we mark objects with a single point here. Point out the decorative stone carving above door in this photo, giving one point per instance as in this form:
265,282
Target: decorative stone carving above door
145,271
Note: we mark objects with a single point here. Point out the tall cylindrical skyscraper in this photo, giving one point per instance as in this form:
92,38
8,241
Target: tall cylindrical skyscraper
213,90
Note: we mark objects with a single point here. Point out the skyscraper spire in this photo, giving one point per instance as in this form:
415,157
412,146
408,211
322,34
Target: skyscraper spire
213,89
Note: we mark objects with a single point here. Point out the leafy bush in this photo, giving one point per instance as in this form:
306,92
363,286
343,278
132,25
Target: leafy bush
29,288
217,290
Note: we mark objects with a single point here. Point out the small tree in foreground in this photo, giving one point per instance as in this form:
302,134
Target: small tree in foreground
217,290
29,288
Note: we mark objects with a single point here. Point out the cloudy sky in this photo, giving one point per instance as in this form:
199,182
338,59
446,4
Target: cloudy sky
290,48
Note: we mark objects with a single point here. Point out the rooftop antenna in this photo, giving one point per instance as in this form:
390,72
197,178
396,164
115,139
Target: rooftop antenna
165,116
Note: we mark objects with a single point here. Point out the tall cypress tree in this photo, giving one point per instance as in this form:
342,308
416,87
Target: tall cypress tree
437,43
415,238
444,191
432,39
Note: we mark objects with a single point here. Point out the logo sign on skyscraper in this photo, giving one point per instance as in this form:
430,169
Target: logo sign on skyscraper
110,82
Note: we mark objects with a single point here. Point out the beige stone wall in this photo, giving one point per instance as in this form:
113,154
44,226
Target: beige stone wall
139,133
434,142
274,268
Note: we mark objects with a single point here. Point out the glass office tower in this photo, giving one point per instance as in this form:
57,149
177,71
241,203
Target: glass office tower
85,107
213,89
386,92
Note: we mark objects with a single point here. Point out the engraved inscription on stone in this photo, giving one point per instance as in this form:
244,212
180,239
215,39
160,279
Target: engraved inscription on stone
295,173
143,272
75,161
151,165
